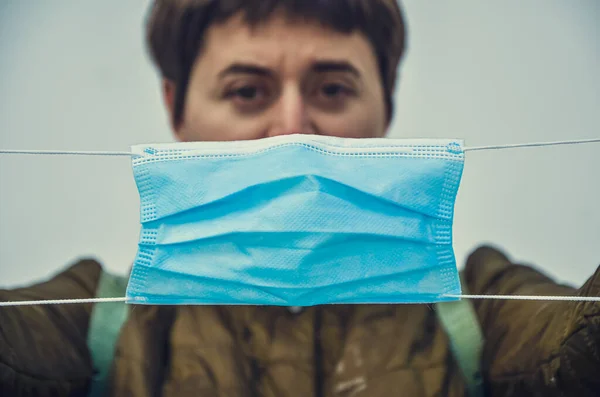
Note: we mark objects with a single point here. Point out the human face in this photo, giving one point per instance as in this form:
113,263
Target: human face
281,77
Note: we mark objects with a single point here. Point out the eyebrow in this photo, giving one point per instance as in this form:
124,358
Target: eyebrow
335,66
245,68
319,67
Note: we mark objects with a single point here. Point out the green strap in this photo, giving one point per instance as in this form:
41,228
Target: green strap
466,340
105,325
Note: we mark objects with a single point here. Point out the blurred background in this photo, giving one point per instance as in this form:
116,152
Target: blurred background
74,75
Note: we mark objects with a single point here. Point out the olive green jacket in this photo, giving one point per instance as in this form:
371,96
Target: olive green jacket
532,348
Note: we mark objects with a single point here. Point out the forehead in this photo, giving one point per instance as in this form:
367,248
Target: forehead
281,40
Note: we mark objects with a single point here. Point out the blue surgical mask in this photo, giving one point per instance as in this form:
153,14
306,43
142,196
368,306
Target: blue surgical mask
296,220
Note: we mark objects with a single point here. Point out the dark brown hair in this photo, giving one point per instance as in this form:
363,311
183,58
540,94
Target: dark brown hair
176,29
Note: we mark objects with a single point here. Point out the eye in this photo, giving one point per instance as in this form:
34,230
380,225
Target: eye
333,95
246,93
333,89
249,97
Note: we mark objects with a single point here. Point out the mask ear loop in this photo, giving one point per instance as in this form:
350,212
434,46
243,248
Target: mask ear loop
62,301
129,154
487,297
70,153
531,144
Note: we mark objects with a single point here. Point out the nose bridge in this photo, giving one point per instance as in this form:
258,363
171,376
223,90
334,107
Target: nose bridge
291,112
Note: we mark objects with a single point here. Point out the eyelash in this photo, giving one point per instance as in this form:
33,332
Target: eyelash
236,91
344,88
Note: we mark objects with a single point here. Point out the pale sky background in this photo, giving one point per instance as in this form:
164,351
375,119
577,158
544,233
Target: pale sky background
74,75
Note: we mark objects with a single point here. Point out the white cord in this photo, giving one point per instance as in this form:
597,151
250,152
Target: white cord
466,149
67,152
530,144
488,297
61,301
529,298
